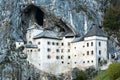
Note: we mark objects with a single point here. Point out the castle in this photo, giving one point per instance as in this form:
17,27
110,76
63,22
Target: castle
57,55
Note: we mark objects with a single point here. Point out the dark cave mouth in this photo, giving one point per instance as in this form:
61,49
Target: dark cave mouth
37,13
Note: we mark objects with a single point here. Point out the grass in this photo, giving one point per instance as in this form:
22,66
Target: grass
102,76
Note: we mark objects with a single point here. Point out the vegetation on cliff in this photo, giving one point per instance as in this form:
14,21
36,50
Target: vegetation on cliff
111,22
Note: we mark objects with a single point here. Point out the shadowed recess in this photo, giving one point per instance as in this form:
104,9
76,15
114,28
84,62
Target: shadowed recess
36,13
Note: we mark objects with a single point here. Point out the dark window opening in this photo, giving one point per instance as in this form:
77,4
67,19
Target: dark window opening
92,61
39,43
48,56
92,52
68,57
83,61
68,43
99,59
62,44
57,44
57,57
62,50
88,61
62,62
87,52
48,43
57,50
38,49
91,43
68,50
48,50
99,43
87,44
62,57
53,43
99,52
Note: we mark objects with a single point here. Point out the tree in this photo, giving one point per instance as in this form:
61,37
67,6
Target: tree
114,71
111,22
79,75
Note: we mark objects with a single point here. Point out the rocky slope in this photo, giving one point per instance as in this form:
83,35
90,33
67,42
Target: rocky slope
74,15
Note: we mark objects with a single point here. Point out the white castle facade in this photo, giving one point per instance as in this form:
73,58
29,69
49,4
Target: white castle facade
58,55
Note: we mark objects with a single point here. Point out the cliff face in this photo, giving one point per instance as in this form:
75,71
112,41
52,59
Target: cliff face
70,15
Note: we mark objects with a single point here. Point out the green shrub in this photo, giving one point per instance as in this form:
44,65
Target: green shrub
118,78
114,71
82,76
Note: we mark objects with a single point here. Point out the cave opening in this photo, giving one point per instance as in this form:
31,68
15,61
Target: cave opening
36,12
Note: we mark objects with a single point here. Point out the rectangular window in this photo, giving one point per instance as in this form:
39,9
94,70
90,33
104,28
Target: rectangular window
62,62
87,52
91,52
99,43
87,44
53,43
48,49
68,50
38,43
99,52
92,61
87,61
57,57
62,50
62,44
83,61
48,43
57,50
38,49
91,43
68,43
68,57
48,56
57,43
62,57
